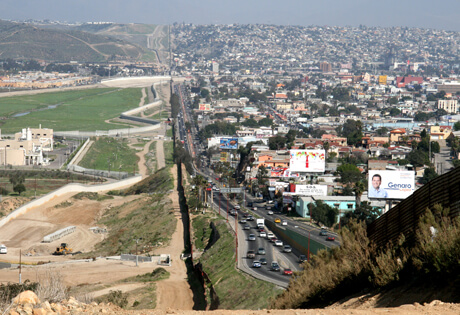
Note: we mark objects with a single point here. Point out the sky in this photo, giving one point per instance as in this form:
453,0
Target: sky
437,14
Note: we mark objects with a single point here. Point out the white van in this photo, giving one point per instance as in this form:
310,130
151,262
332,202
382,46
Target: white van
3,249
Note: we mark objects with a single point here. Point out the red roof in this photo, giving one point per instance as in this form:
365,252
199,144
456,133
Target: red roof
402,81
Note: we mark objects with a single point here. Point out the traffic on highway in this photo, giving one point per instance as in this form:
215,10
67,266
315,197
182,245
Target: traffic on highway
260,251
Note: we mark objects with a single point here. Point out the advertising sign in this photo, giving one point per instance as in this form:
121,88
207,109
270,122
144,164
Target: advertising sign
204,107
223,156
311,190
229,143
307,161
391,184
282,172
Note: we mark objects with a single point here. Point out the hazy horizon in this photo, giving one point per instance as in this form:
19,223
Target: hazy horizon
442,14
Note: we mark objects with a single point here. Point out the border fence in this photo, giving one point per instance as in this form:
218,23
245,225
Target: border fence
404,217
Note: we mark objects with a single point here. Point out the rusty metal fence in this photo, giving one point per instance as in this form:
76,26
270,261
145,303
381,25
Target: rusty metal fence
404,217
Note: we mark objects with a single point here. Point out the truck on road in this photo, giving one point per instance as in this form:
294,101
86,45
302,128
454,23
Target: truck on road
260,223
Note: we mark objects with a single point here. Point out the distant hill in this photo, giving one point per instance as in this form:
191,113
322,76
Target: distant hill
26,41
148,36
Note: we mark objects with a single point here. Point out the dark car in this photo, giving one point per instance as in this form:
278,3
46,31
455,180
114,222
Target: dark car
275,266
302,258
263,261
249,204
322,233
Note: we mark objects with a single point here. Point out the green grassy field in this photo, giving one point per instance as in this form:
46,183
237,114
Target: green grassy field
169,132
169,150
161,115
84,110
115,152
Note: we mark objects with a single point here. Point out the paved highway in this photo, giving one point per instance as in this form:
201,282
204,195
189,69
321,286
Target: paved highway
285,260
273,253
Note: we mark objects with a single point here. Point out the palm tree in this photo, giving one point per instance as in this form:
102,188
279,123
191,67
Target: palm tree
358,189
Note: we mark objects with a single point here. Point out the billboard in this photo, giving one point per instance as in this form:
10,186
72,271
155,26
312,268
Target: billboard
311,190
391,184
282,172
223,156
307,161
229,143
204,107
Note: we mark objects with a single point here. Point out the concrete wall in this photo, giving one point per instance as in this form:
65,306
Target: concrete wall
58,234
129,257
69,188
109,133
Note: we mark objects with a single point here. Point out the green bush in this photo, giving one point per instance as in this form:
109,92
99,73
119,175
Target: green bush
9,291
118,298
357,265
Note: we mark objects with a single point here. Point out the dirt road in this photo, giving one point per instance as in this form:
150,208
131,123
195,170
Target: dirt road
175,292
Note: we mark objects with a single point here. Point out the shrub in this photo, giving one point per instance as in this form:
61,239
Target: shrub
51,286
358,265
11,290
118,298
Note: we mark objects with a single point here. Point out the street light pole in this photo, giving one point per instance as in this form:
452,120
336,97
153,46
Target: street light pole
137,257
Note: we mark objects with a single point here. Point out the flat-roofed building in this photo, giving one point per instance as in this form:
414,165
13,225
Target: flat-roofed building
27,147
450,106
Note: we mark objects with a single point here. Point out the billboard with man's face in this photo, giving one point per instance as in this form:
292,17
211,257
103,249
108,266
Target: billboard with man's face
391,184
310,161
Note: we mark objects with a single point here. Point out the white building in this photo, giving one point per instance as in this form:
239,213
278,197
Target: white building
450,106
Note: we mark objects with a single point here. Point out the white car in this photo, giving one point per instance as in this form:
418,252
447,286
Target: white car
284,222
270,212
263,234
270,235
278,243
3,249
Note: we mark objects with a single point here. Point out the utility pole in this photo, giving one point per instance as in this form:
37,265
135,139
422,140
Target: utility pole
20,267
